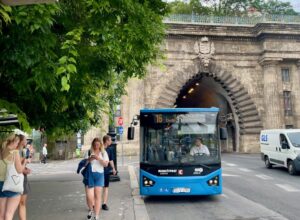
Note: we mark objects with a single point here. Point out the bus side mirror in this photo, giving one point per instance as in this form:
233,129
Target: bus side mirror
223,134
130,133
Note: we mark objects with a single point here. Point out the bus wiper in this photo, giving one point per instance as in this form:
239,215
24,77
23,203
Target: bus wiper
198,164
203,165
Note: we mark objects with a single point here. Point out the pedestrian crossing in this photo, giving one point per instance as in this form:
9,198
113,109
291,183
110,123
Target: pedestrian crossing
232,170
51,168
288,187
264,177
62,167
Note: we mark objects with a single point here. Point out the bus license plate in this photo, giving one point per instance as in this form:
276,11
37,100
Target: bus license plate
181,190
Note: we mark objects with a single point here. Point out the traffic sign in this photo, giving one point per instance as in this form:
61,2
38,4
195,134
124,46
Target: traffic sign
120,121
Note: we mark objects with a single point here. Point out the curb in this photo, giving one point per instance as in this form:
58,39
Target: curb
140,211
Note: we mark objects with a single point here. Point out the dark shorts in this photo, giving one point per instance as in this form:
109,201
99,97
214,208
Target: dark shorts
106,179
97,179
7,194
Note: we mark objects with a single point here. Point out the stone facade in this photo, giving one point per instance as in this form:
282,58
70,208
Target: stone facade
244,64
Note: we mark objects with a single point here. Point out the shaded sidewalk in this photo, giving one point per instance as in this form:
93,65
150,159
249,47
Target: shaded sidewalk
62,197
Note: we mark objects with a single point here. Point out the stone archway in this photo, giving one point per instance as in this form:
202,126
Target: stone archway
245,112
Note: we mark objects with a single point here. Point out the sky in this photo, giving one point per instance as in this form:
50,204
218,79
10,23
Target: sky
294,3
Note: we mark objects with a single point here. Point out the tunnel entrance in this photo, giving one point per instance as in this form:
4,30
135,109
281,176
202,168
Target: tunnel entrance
203,91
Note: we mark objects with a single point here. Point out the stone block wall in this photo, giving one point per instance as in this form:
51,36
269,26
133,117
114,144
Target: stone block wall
247,59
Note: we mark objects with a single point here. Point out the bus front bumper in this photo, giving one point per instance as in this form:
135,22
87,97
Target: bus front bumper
181,185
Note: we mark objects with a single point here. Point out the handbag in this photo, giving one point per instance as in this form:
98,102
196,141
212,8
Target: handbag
13,181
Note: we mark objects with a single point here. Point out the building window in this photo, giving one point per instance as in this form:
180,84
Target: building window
285,73
289,126
287,103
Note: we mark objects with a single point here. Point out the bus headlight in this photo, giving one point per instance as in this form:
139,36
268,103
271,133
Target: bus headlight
213,181
148,182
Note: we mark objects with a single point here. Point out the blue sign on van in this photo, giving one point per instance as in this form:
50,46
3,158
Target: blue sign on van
264,137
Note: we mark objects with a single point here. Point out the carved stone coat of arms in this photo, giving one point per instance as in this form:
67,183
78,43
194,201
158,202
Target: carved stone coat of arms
205,50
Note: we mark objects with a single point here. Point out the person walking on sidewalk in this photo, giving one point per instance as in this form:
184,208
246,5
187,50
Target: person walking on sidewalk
93,188
44,152
26,171
107,170
9,201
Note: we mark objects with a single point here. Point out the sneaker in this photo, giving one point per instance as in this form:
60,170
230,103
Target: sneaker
90,215
105,207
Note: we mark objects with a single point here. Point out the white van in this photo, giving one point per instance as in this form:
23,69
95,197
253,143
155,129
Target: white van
281,147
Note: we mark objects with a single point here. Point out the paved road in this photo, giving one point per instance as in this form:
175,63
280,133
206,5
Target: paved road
250,192
273,188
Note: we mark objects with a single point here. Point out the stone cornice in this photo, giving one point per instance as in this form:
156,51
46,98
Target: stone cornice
257,32
269,62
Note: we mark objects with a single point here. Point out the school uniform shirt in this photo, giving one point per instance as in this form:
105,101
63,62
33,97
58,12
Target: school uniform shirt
96,166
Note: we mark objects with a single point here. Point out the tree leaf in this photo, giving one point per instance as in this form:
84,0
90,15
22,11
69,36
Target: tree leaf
60,70
71,68
63,60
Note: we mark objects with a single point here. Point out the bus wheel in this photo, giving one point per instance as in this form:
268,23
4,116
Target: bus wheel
267,162
291,168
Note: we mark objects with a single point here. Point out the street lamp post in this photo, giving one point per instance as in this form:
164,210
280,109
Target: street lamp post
113,148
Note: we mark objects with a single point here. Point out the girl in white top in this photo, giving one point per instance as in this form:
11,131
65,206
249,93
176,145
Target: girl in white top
9,201
98,159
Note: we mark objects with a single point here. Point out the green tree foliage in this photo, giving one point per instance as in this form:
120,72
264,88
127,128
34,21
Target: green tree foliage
61,64
4,15
193,6
231,7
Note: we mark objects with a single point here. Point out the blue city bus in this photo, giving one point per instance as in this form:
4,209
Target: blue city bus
167,164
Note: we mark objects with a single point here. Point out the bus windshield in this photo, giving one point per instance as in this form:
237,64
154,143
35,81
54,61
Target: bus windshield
179,138
294,138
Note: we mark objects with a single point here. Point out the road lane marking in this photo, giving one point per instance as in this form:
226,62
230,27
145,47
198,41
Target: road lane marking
132,163
245,170
226,174
231,164
254,210
287,187
224,195
44,173
264,177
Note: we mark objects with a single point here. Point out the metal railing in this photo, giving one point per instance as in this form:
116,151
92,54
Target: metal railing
227,20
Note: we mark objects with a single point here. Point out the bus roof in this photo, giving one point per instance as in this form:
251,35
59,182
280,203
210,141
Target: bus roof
178,110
